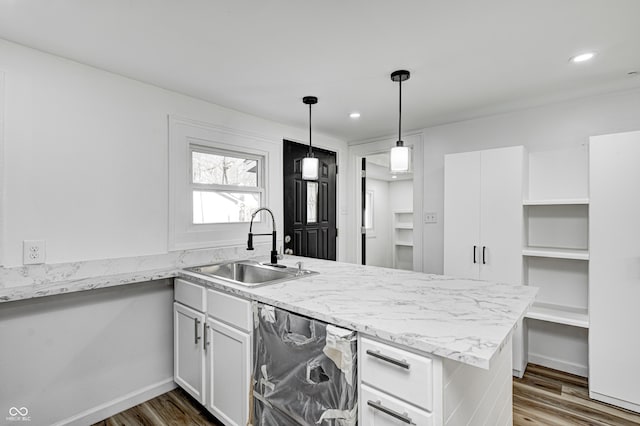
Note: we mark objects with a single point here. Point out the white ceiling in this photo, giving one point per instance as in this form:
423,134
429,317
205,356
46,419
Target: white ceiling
467,58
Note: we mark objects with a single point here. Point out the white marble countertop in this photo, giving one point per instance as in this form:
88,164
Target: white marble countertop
464,320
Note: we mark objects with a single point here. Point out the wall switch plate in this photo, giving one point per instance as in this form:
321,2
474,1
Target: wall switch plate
431,217
33,252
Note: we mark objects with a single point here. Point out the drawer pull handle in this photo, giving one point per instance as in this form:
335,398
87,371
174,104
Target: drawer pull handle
399,363
196,330
402,417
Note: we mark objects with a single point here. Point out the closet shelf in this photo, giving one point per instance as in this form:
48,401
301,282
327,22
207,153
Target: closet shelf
577,317
558,253
404,243
403,225
556,202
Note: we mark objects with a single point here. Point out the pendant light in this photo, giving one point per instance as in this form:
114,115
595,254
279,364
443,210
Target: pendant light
310,163
400,154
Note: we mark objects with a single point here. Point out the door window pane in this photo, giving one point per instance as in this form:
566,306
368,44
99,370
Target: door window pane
312,202
209,168
224,206
368,210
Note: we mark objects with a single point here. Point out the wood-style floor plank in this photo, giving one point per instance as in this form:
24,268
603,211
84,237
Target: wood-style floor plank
170,409
543,397
549,397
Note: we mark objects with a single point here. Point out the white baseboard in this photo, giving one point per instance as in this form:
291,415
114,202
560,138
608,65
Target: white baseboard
614,401
559,364
517,373
108,409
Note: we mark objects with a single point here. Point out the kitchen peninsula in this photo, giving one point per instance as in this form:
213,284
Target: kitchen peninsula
460,328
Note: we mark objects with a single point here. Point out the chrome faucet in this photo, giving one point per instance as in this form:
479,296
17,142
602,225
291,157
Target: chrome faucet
274,252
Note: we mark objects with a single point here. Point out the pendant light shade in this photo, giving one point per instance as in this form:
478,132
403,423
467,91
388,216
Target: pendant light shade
399,159
400,156
310,164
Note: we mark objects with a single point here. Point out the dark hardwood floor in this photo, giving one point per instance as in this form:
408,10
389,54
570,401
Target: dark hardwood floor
549,397
542,397
175,408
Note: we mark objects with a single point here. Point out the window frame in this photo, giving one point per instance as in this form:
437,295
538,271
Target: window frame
214,187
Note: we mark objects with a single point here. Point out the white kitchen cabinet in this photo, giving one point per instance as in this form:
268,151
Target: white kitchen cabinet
188,350
483,222
212,350
483,214
229,372
614,269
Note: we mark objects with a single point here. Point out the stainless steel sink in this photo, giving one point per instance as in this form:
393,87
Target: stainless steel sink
250,273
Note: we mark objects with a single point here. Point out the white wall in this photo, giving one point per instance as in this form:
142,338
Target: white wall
85,164
379,241
560,126
71,354
401,194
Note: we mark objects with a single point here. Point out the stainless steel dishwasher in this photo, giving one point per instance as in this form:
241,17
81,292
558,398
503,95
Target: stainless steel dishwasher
304,371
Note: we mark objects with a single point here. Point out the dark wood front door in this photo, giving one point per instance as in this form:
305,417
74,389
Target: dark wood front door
309,206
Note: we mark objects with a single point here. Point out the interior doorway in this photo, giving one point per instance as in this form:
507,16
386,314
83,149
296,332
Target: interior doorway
309,206
387,214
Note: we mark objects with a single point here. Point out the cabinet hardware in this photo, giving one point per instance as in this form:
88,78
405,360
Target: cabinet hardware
196,330
402,417
205,343
484,259
474,254
400,363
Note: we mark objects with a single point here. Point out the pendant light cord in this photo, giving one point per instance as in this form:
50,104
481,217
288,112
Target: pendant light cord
399,143
310,153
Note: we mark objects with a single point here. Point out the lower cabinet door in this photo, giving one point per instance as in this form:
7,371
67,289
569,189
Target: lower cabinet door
229,369
379,409
188,350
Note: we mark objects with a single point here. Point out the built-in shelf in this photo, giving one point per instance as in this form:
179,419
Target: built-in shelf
404,243
556,202
558,253
403,225
577,317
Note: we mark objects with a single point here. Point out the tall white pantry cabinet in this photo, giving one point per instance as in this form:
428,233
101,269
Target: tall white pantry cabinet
483,220
614,269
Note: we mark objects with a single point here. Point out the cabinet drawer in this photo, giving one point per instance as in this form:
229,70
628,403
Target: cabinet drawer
229,309
380,409
397,372
190,294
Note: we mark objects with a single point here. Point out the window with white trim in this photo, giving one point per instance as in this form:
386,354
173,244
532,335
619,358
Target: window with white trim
218,176
226,186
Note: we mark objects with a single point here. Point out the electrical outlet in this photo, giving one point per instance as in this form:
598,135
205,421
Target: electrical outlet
431,217
33,252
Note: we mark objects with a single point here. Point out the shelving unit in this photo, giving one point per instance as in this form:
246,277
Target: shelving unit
403,239
556,258
558,229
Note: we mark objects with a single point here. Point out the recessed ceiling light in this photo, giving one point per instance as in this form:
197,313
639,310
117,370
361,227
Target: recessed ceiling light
394,177
354,115
583,57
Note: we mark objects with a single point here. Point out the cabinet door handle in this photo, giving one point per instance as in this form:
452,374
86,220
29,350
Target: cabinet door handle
195,330
484,258
205,342
474,254
402,417
399,363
